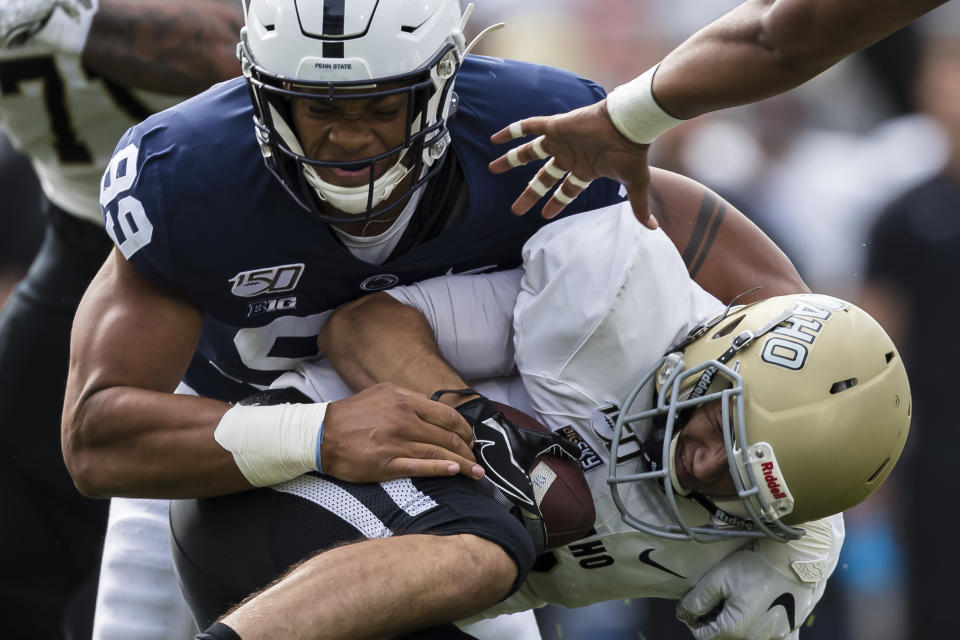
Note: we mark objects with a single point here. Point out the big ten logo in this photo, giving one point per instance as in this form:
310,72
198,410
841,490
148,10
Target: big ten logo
256,282
592,554
258,307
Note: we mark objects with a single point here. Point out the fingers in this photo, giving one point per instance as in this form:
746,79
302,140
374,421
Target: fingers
542,182
425,468
710,626
441,438
366,434
534,126
446,418
437,452
520,155
546,178
641,208
524,153
434,413
704,600
568,191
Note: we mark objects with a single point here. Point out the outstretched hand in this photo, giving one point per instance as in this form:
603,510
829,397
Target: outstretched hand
584,145
387,432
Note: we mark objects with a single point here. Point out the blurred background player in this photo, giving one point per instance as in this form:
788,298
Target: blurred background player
74,74
912,248
25,228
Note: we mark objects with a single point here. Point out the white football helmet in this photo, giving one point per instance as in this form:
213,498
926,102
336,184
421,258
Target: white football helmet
316,48
816,410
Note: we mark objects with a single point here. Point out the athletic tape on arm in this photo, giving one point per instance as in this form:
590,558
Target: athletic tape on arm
635,112
272,444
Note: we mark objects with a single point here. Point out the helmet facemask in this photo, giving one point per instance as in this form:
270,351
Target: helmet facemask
358,50
425,141
752,512
815,407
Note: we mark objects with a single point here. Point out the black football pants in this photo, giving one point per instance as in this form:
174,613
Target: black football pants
51,536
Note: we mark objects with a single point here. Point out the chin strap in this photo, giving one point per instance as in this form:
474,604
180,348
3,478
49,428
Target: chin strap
651,448
480,36
351,200
739,342
718,515
721,517
354,200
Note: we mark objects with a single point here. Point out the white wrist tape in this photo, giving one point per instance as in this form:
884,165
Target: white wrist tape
275,443
67,33
635,112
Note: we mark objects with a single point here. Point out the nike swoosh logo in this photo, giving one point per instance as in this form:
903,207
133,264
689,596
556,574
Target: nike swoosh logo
495,453
786,601
451,272
646,559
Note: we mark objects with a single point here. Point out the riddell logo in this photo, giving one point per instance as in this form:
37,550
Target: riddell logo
704,383
772,480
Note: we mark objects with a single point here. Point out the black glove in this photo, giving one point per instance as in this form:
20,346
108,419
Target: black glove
507,452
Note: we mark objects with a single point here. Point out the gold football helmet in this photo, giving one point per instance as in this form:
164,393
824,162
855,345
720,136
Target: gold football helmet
816,410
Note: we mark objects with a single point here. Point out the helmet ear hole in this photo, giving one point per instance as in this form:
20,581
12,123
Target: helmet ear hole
728,328
843,385
890,355
879,470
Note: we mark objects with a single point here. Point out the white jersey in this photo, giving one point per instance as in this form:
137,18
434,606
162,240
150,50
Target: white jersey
602,299
67,120
599,300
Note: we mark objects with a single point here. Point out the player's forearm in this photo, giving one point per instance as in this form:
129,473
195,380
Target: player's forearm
123,441
377,339
180,47
765,47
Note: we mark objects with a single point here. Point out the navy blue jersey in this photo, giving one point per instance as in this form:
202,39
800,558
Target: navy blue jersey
188,200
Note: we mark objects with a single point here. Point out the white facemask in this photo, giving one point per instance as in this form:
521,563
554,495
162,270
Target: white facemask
349,200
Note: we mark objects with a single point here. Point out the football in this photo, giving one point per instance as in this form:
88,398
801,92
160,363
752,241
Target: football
561,490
